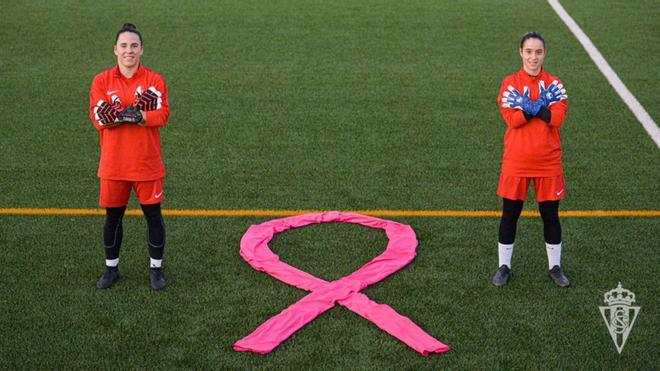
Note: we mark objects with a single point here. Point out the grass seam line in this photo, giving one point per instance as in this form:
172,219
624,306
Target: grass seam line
376,213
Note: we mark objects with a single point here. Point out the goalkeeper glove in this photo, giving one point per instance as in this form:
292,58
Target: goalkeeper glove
553,94
513,99
106,114
130,115
148,100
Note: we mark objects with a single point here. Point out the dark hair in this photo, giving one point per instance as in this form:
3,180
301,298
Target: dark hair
128,27
530,35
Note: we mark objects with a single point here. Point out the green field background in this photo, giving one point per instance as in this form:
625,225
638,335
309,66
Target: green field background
324,105
315,105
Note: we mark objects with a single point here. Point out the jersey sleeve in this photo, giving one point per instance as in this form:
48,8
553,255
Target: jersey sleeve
513,118
97,95
558,112
159,116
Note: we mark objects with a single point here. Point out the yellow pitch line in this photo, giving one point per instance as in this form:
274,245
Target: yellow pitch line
379,213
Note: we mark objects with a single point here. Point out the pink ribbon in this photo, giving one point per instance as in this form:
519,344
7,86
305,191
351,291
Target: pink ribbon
345,291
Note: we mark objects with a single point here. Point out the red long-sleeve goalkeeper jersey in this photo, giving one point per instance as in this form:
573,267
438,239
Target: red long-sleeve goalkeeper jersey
128,151
531,148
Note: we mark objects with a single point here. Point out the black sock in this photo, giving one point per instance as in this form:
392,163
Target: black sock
511,210
155,230
551,227
113,231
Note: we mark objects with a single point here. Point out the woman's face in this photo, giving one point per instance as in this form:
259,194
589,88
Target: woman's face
532,54
128,50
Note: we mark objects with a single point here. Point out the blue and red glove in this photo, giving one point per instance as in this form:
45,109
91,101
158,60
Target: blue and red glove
553,94
513,99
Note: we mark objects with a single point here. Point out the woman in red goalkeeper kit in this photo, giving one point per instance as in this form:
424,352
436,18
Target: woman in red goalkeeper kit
533,104
128,105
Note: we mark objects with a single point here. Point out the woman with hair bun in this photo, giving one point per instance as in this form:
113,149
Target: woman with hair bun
128,105
533,104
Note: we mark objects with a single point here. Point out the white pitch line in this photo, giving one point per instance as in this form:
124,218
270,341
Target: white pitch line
637,109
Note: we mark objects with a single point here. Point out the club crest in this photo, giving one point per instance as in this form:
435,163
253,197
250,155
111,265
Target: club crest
619,314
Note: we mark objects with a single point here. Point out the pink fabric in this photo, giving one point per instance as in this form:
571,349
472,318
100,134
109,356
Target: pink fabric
345,291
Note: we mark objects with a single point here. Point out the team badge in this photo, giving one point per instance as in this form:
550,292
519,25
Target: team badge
619,314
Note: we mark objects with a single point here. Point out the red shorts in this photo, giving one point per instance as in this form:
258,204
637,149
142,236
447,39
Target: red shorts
115,193
545,188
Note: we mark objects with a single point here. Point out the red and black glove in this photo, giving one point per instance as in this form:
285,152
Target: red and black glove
106,114
149,100
130,115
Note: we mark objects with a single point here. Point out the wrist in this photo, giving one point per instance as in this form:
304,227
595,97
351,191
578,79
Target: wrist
544,114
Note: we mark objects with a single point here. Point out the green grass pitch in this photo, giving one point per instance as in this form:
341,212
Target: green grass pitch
324,105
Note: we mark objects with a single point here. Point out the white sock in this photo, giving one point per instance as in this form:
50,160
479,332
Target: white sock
554,254
155,263
111,262
505,252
